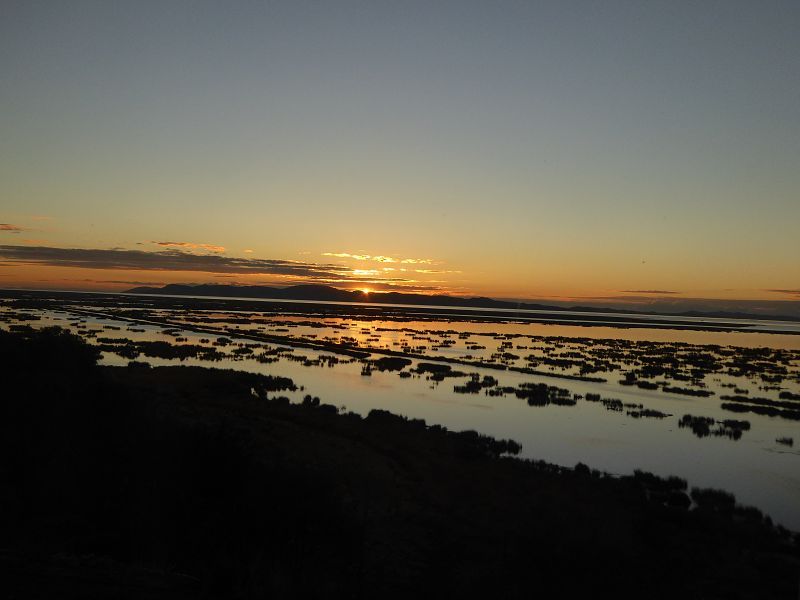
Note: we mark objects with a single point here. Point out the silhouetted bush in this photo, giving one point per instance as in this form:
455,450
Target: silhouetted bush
713,500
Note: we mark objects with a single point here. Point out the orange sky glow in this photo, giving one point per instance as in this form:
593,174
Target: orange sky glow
466,150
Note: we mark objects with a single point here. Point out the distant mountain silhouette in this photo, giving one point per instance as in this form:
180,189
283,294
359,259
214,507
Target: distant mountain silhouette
326,293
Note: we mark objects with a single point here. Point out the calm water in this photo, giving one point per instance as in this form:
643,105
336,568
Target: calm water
758,469
592,318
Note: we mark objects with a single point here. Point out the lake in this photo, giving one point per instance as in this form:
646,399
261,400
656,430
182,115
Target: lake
717,407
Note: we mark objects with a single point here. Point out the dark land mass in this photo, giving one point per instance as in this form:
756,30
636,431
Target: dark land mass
183,482
55,300
325,293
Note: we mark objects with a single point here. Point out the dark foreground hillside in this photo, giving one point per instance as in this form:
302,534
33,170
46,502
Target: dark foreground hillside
196,483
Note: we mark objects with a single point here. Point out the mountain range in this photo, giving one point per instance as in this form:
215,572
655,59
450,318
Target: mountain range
325,293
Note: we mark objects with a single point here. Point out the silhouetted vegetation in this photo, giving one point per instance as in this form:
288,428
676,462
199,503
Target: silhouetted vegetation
761,406
391,363
647,413
714,500
688,391
706,426
190,482
540,394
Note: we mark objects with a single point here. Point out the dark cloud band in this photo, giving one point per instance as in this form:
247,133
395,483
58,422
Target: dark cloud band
166,260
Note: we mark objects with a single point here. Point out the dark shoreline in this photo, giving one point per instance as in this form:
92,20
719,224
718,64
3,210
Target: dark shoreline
192,482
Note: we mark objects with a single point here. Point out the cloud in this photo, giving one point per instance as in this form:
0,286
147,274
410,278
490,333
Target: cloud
789,292
380,258
128,282
9,228
648,292
114,281
191,246
174,258
166,260
248,251
347,255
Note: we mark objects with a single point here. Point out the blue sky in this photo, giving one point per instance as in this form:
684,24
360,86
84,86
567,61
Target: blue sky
523,148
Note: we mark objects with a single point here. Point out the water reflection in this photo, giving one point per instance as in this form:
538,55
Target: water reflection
615,424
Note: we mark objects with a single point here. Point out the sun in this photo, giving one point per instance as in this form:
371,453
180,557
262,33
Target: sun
366,291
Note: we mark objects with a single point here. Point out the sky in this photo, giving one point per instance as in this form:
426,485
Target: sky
559,149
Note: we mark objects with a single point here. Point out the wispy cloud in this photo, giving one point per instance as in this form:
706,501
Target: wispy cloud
648,292
347,255
787,292
380,258
191,246
9,228
235,269
113,281
165,260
